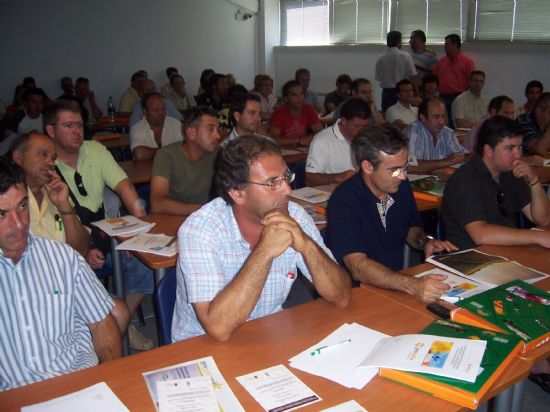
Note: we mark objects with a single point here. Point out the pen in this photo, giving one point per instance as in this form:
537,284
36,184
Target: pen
171,242
328,348
59,222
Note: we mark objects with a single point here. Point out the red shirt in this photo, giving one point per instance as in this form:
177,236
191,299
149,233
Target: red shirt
453,74
294,126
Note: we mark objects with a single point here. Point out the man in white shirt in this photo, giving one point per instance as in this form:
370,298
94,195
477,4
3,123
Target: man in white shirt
330,158
469,106
403,113
155,129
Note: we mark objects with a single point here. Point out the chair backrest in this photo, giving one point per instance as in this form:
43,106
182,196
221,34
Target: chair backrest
165,298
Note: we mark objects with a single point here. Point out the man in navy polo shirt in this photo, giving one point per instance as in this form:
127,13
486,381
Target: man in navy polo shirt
373,214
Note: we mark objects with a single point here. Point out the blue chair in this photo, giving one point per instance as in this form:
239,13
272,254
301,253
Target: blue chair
165,299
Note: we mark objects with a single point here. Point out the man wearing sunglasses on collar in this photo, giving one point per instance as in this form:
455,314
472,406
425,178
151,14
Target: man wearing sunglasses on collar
239,254
482,199
87,167
373,214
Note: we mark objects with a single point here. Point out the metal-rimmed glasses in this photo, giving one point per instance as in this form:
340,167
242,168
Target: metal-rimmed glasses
276,184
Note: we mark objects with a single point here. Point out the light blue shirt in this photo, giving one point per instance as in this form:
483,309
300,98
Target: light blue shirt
47,299
421,142
212,251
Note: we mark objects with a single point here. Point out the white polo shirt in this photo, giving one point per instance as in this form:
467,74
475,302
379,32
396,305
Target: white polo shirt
330,152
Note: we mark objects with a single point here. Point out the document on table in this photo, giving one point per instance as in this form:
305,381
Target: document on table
193,394
349,406
98,397
278,389
460,287
438,355
341,365
194,369
123,226
157,244
310,194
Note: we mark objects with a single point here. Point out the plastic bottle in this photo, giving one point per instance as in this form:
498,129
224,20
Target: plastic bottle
111,110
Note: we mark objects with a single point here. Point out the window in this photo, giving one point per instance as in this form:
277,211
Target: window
316,22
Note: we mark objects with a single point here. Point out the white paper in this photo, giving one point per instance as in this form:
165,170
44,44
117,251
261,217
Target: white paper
158,244
460,287
318,218
438,355
412,177
123,226
310,194
187,395
277,388
98,397
546,163
349,406
341,365
193,369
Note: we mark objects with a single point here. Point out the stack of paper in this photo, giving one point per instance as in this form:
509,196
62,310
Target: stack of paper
310,194
341,364
123,226
157,244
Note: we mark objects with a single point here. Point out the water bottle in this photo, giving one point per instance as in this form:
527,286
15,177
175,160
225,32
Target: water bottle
111,109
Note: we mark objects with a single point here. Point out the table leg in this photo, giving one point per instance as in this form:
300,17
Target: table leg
406,256
519,391
159,274
118,278
503,401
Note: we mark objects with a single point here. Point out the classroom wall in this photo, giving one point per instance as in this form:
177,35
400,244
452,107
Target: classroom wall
508,66
108,40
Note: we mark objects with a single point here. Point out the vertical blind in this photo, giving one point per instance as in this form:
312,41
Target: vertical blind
315,22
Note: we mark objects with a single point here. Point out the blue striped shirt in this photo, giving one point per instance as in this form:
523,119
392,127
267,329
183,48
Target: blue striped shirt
212,251
47,299
421,142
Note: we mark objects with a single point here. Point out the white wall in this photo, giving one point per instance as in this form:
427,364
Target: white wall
508,66
108,40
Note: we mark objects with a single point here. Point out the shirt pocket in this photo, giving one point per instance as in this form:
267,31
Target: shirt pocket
54,317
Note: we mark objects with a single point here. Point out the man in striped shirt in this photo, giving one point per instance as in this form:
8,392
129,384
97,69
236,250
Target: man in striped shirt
54,314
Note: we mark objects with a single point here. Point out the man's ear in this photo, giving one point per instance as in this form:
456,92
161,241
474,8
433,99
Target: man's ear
238,195
17,157
49,130
237,116
367,167
190,133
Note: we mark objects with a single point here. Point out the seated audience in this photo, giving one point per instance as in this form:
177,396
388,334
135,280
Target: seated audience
149,86
216,96
263,87
500,105
131,95
372,215
166,88
87,167
535,127
29,118
86,97
470,106
482,198
362,88
430,87
533,90
303,77
203,82
182,172
295,122
74,332
246,116
247,245
424,59
334,98
403,113
330,158
178,94
431,142
155,130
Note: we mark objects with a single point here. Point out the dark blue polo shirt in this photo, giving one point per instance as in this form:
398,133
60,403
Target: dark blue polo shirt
355,225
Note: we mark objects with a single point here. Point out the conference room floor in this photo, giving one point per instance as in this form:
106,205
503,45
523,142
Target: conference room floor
535,398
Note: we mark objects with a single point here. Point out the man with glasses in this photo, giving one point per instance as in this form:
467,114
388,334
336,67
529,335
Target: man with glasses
372,215
182,171
482,199
87,167
239,254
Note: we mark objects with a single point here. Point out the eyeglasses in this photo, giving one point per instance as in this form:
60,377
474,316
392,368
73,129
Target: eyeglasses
397,172
276,184
71,125
501,203
80,184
